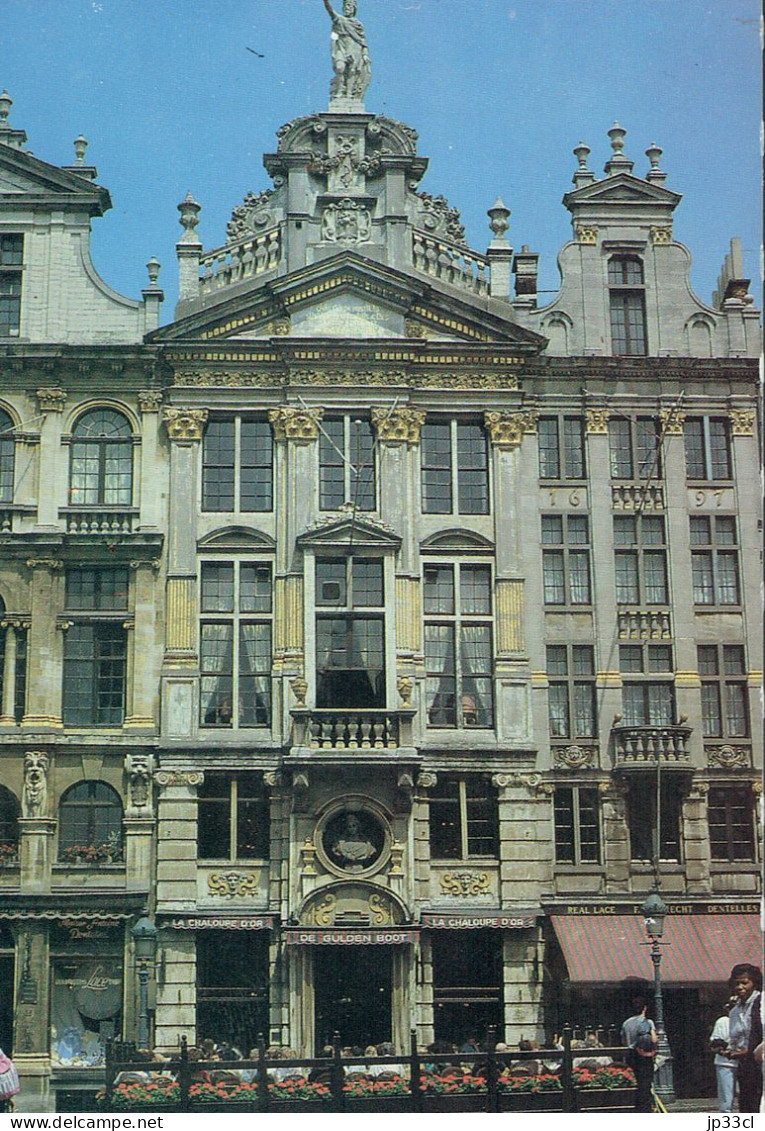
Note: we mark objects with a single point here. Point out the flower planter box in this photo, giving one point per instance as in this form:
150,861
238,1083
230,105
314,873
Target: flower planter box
606,1099
455,1102
531,1101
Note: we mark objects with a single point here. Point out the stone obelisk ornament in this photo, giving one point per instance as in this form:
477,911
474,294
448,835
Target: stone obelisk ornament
350,55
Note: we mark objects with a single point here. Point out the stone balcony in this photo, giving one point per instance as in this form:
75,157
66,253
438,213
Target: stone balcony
646,747
233,263
364,730
641,496
100,520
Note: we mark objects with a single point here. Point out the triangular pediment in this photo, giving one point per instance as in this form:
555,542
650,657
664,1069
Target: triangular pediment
622,188
347,296
23,175
350,530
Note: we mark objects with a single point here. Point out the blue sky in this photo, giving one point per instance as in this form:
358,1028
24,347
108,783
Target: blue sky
500,92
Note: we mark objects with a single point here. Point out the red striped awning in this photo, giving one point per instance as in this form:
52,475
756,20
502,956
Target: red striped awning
698,948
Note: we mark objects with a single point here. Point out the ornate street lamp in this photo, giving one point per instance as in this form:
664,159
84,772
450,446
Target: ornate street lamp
654,911
145,938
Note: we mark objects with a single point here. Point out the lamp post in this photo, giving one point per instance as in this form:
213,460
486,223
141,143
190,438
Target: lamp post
145,938
654,911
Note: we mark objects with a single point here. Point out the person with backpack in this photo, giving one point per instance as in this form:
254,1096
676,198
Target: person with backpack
639,1035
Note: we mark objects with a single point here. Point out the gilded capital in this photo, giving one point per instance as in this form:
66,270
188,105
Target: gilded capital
297,424
150,400
398,425
185,424
586,233
505,428
672,421
742,421
52,564
597,421
661,234
51,400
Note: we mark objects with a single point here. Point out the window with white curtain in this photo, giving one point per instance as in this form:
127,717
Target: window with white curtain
646,699
458,645
566,559
571,695
640,560
102,460
235,644
714,560
350,632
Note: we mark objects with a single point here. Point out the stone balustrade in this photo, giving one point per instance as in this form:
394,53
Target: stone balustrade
645,624
230,264
645,746
100,520
637,496
451,263
361,729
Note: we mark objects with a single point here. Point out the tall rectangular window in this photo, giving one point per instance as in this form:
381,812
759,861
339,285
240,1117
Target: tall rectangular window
346,464
634,447
237,466
577,825
571,695
95,647
561,447
350,632
235,644
233,817
458,645
463,818
714,560
730,811
643,825
455,468
11,262
566,559
627,306
724,697
640,560
646,700
707,448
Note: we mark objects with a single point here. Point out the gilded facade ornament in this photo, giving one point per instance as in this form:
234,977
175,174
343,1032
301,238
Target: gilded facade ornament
586,233
272,778
426,779
529,421
597,421
742,421
501,781
279,327
575,757
34,798
51,400
672,421
233,885
398,425
505,429
381,914
300,425
150,400
45,563
165,778
661,234
299,687
308,857
729,757
465,884
396,860
185,424
322,912
405,687
415,329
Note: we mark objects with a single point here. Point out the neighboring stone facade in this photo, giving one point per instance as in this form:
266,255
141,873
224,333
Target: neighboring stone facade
352,612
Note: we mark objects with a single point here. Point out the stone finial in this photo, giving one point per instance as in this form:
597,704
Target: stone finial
654,174
153,267
189,210
5,108
583,175
499,219
618,163
80,149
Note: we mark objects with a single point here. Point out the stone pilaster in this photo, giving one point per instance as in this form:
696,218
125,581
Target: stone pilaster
36,853
141,709
45,645
616,847
296,431
695,833
176,990
31,1049
177,839
151,503
51,403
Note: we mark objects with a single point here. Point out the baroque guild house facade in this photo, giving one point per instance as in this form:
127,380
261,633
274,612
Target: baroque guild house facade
368,623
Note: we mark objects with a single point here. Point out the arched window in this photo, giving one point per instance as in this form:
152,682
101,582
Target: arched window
102,460
6,458
9,825
626,286
90,823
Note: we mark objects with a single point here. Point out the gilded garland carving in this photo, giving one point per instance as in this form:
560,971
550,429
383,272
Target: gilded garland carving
597,421
398,425
729,757
465,884
576,757
742,421
300,425
51,400
185,424
167,778
233,885
45,563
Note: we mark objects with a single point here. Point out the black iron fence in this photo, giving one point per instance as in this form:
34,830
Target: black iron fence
415,1073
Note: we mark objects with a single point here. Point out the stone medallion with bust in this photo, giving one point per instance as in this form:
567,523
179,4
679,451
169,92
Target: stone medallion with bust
353,840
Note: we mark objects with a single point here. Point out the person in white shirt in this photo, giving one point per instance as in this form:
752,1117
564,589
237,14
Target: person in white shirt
725,1068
